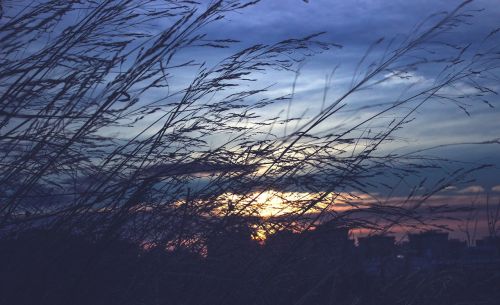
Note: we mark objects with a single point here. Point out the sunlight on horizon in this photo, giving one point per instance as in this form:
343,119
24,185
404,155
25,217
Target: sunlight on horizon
272,203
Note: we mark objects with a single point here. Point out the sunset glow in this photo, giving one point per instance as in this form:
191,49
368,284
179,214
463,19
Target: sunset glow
271,203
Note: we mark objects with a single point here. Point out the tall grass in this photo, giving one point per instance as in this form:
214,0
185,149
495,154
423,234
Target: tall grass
99,137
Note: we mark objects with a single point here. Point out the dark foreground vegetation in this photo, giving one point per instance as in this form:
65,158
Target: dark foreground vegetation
318,267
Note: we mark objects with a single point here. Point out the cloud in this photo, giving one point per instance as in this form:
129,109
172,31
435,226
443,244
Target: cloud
496,188
403,78
449,188
472,189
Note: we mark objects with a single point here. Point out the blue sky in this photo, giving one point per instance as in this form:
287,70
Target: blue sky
355,25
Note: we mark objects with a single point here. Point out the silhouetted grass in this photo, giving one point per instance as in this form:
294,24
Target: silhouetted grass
102,151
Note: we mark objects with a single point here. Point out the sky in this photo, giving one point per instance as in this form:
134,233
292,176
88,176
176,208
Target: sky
466,136
355,25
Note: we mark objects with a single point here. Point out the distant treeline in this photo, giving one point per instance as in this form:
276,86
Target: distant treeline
49,267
